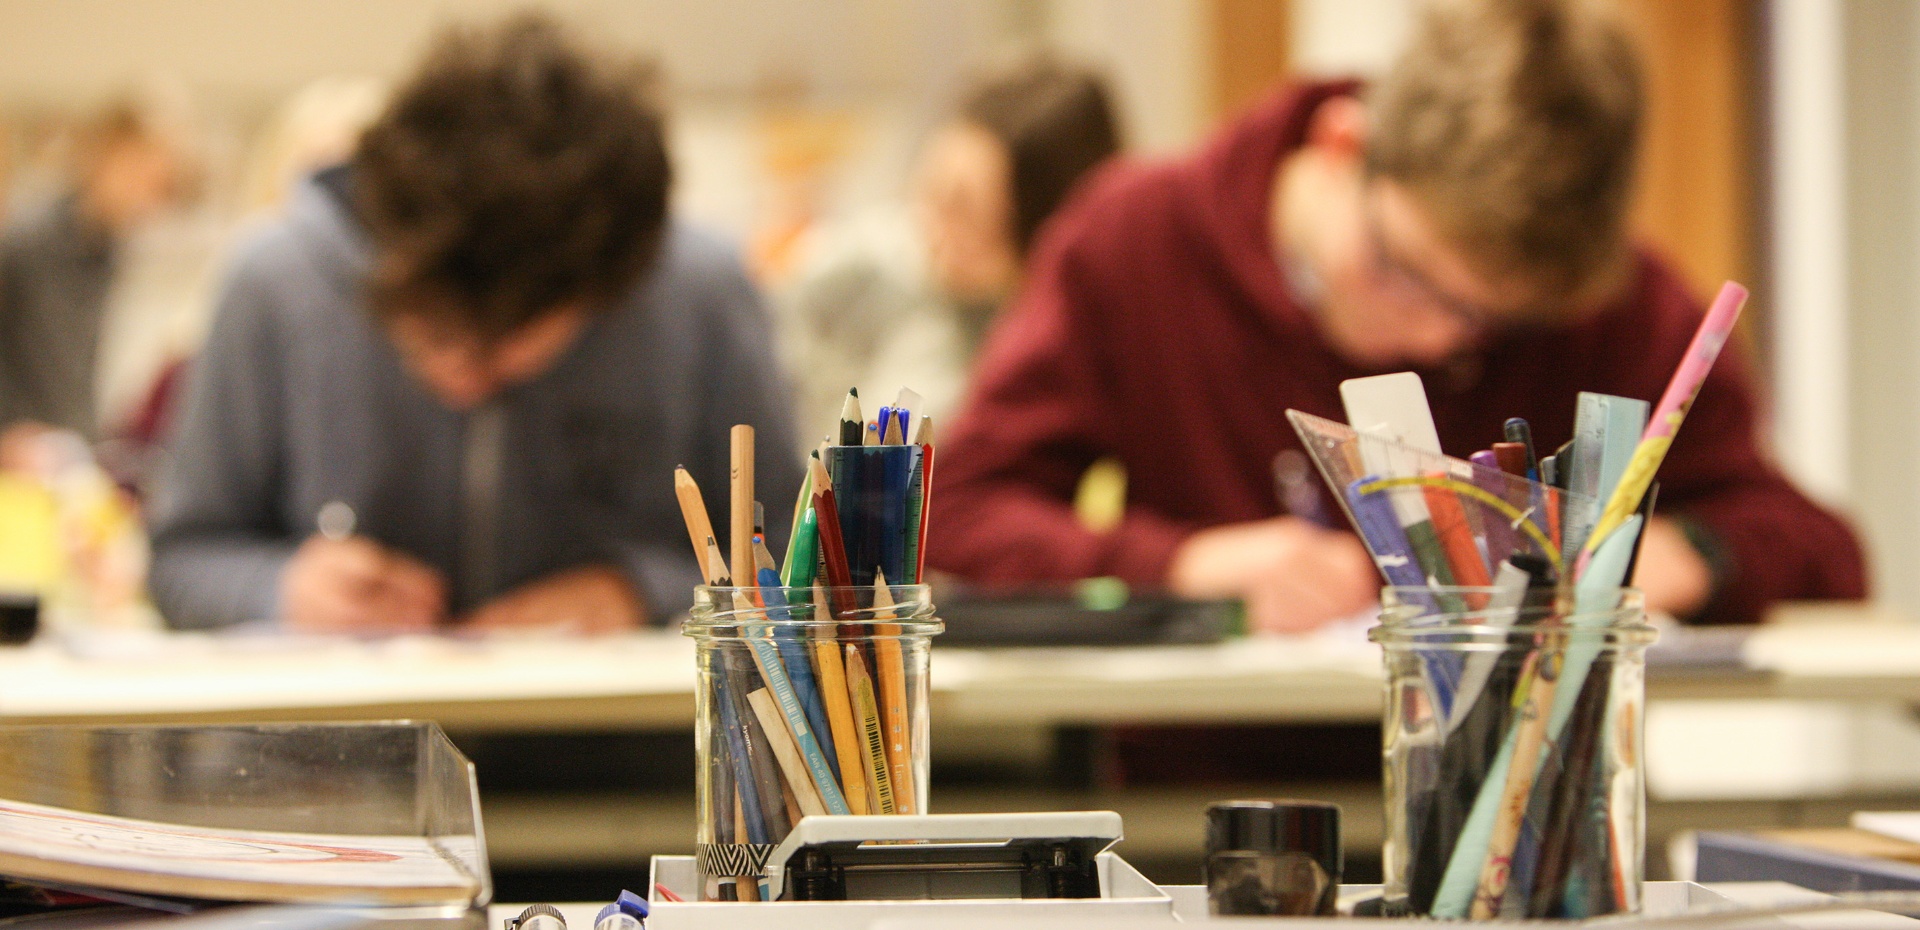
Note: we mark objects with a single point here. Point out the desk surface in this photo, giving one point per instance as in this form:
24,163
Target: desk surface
646,680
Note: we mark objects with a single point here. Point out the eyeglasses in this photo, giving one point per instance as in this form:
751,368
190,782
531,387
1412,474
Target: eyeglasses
1397,275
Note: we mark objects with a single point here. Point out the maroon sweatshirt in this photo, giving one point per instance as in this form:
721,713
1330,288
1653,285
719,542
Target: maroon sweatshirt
1155,328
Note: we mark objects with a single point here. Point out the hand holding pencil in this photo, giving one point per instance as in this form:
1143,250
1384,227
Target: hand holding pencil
1292,575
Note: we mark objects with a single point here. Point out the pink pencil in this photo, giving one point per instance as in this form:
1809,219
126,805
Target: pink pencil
1667,415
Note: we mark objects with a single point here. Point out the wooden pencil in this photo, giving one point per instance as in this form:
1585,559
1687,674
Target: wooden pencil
784,750
873,742
852,424
833,691
833,546
717,576
740,526
893,698
693,510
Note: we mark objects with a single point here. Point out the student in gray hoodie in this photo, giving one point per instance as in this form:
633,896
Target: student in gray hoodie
450,387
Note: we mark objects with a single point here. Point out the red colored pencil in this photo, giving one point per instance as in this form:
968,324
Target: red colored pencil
833,547
924,436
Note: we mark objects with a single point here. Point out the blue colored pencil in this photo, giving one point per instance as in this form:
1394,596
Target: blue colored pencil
743,779
793,654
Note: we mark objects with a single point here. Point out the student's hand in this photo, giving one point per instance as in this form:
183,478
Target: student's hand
592,600
1674,576
355,585
1293,576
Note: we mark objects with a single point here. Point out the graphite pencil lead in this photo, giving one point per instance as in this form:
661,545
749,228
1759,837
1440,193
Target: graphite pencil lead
851,419
717,576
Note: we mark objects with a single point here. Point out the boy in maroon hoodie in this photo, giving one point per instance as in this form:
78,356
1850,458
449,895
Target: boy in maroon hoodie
1465,218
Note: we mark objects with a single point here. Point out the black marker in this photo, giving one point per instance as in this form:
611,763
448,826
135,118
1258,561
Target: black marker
1517,430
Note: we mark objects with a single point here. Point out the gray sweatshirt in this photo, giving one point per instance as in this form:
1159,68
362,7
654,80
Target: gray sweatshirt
298,400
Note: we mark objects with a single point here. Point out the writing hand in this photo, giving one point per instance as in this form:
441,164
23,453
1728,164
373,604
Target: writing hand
1292,576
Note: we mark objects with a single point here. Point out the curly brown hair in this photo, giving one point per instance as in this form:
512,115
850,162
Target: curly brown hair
513,174
1516,124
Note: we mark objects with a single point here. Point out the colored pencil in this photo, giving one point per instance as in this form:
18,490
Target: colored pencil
803,554
852,428
840,719
771,811
873,745
717,575
761,645
741,788
833,547
1685,385
893,698
1456,537
805,793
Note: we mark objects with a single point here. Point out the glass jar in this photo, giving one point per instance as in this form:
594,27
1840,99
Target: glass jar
803,710
1512,749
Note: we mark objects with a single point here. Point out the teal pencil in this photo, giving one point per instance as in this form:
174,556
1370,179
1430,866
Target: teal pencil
766,656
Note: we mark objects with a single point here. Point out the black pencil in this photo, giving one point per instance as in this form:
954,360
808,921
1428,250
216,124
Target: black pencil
852,425
1517,430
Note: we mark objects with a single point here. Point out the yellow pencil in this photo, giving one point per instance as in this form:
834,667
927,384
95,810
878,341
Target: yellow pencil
893,696
833,690
873,748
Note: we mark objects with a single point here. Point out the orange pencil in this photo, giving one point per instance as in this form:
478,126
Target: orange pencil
1456,537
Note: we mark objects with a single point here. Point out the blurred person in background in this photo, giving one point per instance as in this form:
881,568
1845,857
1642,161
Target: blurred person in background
451,384
58,261
74,537
316,128
1466,218
905,296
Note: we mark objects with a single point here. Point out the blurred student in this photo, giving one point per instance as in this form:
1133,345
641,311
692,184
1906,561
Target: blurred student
472,356
58,261
1465,218
904,297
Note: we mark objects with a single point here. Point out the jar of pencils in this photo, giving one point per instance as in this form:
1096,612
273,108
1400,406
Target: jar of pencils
1513,745
809,701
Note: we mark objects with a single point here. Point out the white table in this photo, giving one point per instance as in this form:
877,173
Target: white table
646,680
